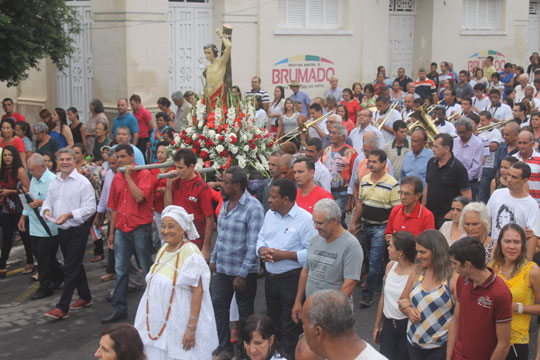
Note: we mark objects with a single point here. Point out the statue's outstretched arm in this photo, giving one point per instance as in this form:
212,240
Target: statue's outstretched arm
227,44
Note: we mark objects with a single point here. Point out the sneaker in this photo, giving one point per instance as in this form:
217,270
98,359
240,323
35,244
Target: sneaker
79,304
57,314
366,301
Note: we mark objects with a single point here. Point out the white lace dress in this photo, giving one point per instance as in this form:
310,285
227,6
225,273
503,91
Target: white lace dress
191,268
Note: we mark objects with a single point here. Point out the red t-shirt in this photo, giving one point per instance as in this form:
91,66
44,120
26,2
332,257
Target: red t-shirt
143,118
480,308
17,142
16,116
349,125
311,199
416,222
195,197
352,108
130,214
159,184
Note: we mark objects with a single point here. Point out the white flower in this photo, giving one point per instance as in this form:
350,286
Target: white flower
200,163
243,138
194,136
246,148
233,149
241,161
211,134
219,148
177,140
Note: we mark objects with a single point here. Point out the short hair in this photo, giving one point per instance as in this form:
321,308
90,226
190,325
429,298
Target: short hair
447,140
406,242
188,93
7,99
494,92
127,343
485,113
213,47
287,188
186,155
479,208
474,117
37,159
135,98
463,200
399,124
309,162
316,107
416,182
112,152
105,125
331,99
383,98
490,58
349,91
330,207
373,141
522,107
434,241
163,101
469,249
421,129
380,154
66,150
433,64
10,121
452,91
98,106
509,158
467,98
463,121
536,113
480,87
369,87
161,143
525,169
126,147
238,176
178,95
341,129
162,115
315,142
80,146
421,70
330,310
124,128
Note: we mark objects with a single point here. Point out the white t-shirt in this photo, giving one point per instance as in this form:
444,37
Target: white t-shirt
481,105
369,353
488,137
504,209
393,117
501,112
452,109
312,133
447,128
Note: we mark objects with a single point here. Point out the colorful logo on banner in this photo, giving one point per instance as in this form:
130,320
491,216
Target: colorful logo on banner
310,71
479,58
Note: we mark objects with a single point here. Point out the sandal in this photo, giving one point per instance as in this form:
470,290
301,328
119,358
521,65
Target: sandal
28,269
35,277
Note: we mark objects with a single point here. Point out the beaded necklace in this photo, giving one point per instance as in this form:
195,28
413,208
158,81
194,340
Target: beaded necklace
170,299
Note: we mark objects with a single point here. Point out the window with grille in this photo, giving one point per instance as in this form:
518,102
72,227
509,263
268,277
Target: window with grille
481,15
309,14
533,8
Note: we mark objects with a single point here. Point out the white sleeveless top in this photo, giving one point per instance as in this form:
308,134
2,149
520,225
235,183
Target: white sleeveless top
393,287
289,123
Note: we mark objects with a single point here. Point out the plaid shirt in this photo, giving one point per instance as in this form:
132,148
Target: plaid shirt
234,252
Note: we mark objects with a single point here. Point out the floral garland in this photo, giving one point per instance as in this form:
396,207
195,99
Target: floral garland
222,137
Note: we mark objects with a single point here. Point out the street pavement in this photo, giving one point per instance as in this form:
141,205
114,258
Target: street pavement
25,333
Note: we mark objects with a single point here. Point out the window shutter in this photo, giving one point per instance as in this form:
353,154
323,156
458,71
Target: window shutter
315,13
492,14
469,14
481,14
332,13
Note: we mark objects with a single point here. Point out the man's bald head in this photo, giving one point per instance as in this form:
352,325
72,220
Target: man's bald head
285,166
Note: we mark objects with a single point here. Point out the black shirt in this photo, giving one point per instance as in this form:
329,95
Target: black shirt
444,184
403,83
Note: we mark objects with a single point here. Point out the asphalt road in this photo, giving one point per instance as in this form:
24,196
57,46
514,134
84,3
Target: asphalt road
25,333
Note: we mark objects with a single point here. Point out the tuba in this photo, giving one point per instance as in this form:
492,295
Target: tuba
424,121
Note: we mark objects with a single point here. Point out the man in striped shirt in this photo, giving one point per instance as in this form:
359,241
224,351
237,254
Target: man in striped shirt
257,91
377,196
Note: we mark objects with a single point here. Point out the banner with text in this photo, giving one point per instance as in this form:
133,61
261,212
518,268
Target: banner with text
310,71
478,59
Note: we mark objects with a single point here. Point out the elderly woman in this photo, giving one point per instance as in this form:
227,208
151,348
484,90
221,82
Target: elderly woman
523,279
175,317
475,221
44,142
450,229
98,116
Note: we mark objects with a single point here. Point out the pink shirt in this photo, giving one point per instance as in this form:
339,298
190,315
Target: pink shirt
143,118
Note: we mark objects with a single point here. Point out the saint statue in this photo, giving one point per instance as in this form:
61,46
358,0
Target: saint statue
218,71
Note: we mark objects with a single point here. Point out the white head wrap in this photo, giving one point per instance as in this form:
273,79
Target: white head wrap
185,220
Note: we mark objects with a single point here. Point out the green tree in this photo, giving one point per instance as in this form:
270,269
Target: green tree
31,30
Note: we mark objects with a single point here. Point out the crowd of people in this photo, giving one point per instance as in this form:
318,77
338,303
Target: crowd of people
440,217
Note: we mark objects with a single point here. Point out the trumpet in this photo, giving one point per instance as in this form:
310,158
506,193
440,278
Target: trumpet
493,126
454,115
432,107
304,127
388,113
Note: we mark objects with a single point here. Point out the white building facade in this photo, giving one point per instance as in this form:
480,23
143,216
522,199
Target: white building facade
153,48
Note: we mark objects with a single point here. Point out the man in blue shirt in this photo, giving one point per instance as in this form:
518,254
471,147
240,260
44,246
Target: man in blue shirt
299,96
123,136
506,77
415,161
125,118
50,272
282,244
234,260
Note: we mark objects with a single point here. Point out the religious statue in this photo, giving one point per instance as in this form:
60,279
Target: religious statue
218,72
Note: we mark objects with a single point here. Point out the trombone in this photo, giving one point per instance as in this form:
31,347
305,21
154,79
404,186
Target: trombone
493,126
303,127
388,113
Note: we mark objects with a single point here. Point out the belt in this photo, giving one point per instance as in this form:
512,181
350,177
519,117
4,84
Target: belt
283,275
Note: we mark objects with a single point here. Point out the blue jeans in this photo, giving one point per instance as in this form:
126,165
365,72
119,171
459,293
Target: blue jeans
138,242
373,240
340,196
488,174
426,354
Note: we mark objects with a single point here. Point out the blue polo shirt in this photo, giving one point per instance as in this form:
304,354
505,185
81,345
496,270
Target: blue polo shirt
39,188
127,120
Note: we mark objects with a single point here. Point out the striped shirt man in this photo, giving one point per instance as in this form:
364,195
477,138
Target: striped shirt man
378,198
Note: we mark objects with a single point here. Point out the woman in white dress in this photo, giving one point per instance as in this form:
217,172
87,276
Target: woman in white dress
175,317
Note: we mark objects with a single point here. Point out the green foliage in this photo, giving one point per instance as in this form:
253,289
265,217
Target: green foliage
31,30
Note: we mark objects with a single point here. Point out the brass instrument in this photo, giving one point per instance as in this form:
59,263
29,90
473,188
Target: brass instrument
304,127
432,107
454,115
493,126
388,113
424,121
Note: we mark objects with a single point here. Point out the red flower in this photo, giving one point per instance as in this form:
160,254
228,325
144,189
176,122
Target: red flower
196,144
252,141
234,140
257,136
252,145
223,153
270,144
207,163
210,143
188,141
183,133
200,136
203,154
221,138
210,121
